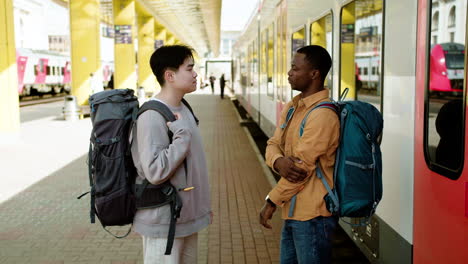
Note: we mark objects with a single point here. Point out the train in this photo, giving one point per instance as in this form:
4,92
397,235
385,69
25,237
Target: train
399,56
47,72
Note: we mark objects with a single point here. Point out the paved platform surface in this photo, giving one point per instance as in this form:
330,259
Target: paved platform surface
45,223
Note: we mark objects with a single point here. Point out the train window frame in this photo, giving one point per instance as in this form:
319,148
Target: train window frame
431,164
382,54
301,27
324,15
270,69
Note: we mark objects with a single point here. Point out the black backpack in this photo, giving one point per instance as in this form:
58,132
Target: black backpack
114,195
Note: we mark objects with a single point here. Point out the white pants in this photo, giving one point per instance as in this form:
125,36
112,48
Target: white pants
184,250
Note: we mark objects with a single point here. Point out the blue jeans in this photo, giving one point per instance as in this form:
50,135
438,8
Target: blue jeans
307,242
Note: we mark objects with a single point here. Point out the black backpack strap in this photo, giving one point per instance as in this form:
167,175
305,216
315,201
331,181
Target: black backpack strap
158,107
92,212
176,206
191,110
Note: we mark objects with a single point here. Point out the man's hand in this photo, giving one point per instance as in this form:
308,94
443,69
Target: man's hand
177,115
287,169
266,213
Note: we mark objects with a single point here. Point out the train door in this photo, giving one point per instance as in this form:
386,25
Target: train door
21,62
41,71
361,44
67,76
441,177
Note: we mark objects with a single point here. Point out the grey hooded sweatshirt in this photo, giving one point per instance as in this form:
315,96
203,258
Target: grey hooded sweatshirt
157,160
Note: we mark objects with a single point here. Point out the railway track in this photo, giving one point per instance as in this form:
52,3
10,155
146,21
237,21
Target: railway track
34,100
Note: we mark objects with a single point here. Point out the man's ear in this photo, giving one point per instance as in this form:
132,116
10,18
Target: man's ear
314,74
169,75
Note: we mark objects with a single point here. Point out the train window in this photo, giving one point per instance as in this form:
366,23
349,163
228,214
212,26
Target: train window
243,72
361,47
445,106
266,65
48,70
279,60
297,40
321,33
249,69
263,58
254,65
281,53
435,21
270,60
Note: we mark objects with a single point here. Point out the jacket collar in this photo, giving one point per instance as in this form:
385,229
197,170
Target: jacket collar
311,99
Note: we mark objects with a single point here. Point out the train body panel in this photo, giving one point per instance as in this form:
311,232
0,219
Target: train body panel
423,217
440,203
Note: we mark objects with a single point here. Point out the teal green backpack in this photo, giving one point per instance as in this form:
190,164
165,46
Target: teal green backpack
358,166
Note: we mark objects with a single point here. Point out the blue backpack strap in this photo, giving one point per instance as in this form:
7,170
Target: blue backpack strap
332,194
288,117
292,206
329,105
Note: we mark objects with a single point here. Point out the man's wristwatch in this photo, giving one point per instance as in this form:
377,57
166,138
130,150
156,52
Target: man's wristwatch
270,201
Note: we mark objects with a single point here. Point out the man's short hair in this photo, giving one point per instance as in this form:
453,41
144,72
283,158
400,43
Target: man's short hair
318,58
169,57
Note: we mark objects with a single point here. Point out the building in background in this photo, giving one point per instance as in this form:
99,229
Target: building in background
448,18
42,25
228,37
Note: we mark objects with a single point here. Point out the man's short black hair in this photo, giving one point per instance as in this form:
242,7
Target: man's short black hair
169,57
318,58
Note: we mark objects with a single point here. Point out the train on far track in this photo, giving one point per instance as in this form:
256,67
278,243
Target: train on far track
46,72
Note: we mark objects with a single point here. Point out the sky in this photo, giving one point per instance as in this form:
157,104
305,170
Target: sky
235,13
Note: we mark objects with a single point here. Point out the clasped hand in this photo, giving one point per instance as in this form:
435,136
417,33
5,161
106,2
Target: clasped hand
287,168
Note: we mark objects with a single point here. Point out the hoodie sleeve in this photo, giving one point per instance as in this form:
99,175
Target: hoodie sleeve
158,159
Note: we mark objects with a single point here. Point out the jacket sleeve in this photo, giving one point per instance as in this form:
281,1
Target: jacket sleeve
159,160
274,150
320,137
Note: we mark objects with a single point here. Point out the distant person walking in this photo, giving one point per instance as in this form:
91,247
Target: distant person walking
212,80
222,83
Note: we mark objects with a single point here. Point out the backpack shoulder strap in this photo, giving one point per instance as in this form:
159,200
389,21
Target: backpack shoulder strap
329,105
288,117
158,107
191,110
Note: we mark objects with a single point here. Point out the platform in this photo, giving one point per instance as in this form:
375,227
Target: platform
45,223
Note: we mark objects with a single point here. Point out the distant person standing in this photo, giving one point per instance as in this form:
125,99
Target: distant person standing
212,80
95,83
222,83
110,84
